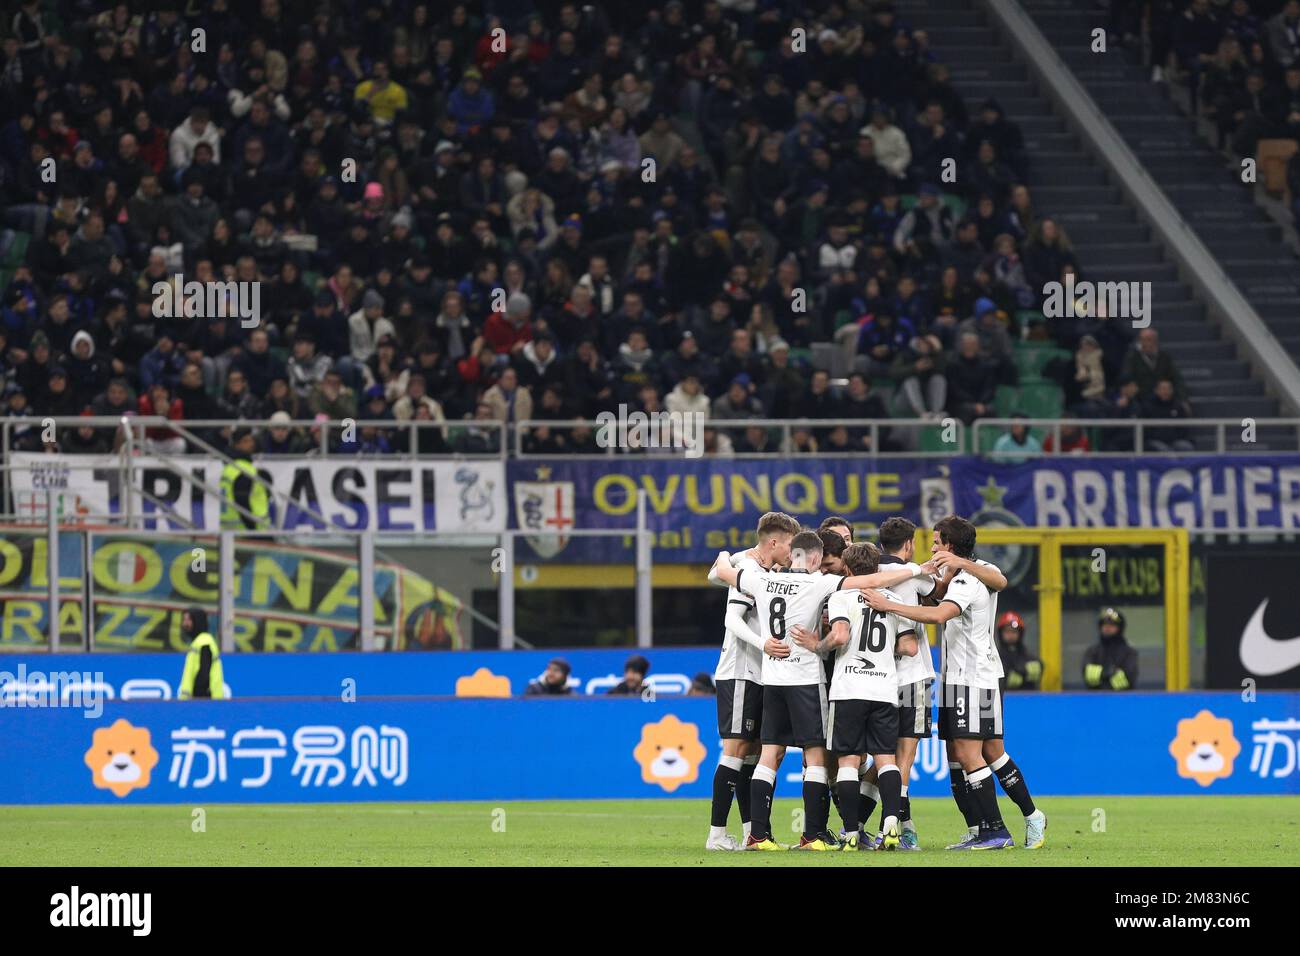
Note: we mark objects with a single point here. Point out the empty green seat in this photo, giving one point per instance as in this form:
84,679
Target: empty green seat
1006,401
1041,401
17,250
1032,357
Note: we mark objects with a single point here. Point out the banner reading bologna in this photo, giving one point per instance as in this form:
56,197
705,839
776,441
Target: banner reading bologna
286,598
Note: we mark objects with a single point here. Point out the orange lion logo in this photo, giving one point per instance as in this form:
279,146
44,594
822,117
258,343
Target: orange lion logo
483,683
669,753
121,758
1205,748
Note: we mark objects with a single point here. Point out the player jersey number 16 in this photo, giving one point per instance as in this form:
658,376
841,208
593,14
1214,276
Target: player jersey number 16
873,635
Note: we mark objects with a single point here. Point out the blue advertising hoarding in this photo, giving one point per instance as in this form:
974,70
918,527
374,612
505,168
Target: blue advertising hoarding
428,749
698,507
464,673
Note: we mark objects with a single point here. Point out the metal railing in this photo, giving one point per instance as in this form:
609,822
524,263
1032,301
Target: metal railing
906,438
782,435
1140,432
131,438
132,427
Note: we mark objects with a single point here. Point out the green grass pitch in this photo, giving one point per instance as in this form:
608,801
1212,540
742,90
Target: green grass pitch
1138,831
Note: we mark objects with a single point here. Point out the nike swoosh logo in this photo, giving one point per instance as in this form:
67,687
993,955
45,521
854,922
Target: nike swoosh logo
1262,654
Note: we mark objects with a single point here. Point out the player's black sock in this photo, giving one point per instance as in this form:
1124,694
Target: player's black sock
725,778
984,798
904,807
957,782
961,794
1013,782
868,797
816,801
846,789
743,787
760,802
890,782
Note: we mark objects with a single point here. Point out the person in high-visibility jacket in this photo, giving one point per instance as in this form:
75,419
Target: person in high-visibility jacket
1023,670
239,486
1111,663
202,677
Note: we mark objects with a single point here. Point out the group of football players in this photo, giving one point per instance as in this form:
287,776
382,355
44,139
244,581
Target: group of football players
825,649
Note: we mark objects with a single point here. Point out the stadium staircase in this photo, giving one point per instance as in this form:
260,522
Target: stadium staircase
1070,184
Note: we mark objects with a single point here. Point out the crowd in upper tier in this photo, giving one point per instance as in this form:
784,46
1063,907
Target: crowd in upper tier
511,210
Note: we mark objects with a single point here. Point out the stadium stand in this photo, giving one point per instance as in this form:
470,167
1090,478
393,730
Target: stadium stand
517,172
1207,191
446,231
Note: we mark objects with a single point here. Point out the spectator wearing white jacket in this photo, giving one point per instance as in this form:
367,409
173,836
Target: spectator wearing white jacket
367,325
688,397
533,209
198,128
509,401
306,368
416,396
893,151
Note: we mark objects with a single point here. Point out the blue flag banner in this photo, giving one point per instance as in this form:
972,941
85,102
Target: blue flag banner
698,507
1250,492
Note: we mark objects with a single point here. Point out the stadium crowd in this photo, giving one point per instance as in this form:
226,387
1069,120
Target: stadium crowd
1240,61
451,214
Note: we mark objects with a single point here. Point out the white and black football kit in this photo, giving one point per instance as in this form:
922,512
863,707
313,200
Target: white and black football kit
864,691
794,687
915,674
739,676
970,703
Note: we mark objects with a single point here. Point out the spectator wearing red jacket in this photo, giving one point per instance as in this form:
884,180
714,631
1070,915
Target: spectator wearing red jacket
1073,440
158,401
509,331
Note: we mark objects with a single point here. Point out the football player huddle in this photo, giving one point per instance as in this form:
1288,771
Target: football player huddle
825,649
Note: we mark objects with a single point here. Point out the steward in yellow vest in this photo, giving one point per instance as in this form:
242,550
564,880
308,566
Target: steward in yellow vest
202,677
239,486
